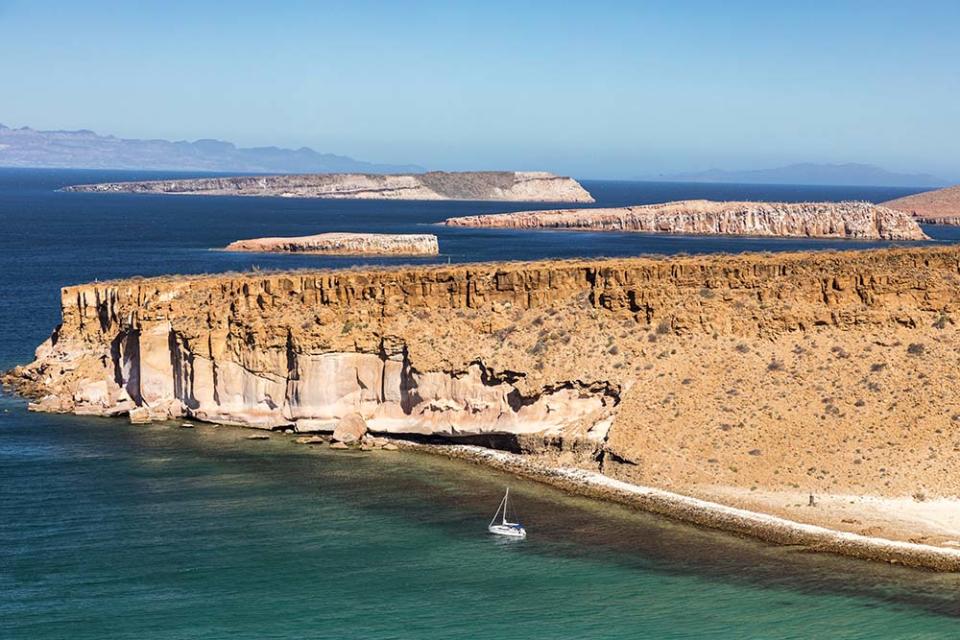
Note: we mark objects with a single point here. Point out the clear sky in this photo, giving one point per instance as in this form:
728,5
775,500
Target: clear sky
594,89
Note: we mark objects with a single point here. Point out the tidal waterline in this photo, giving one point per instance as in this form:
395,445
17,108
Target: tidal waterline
113,530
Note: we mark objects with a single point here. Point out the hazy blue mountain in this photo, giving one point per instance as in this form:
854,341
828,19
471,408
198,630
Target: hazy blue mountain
85,149
814,174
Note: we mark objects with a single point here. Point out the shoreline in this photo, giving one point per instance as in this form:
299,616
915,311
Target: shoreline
699,512
704,513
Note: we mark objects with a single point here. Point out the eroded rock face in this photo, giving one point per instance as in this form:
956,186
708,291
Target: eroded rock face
518,186
744,370
369,244
809,219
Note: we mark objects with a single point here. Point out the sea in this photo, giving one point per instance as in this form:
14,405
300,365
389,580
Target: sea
109,530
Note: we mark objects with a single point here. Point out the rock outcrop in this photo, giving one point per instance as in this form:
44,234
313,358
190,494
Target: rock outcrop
367,244
859,220
351,428
517,186
819,372
931,207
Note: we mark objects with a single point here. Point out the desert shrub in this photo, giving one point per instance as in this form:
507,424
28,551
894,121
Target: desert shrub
614,350
538,348
663,328
775,365
942,321
707,293
878,366
916,349
347,326
502,334
742,348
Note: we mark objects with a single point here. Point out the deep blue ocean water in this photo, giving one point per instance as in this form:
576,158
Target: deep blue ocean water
114,531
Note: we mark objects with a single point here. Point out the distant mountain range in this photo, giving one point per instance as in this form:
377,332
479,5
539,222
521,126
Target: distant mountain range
85,149
814,174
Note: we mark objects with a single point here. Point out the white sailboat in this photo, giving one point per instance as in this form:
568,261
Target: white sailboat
505,527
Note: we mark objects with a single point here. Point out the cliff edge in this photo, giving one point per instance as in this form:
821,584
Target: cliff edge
859,220
364,244
751,380
518,186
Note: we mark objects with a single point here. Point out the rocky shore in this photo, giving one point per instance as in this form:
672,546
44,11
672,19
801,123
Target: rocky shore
362,244
748,381
711,514
931,207
515,186
857,220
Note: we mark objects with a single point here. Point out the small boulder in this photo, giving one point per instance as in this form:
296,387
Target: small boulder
390,447
258,436
338,445
186,425
140,415
351,428
309,440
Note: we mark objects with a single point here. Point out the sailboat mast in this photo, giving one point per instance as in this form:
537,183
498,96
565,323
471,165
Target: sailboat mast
506,497
503,505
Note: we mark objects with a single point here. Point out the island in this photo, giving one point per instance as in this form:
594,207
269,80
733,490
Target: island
931,207
860,220
731,391
517,186
353,244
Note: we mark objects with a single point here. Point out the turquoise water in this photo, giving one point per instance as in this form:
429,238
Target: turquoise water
114,531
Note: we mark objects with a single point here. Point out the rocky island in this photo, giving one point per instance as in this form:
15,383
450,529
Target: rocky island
355,244
858,220
729,391
931,207
517,186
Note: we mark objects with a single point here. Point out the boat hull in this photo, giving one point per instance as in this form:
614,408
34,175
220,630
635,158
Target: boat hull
510,531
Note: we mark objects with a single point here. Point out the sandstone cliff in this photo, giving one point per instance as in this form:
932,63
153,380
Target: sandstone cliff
534,186
808,219
824,372
371,244
932,207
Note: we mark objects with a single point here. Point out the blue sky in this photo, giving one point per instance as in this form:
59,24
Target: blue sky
594,89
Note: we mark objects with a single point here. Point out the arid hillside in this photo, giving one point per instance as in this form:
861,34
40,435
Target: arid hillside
931,207
731,377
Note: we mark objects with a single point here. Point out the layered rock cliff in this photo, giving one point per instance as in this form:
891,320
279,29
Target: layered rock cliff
931,207
534,186
369,244
808,219
819,372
